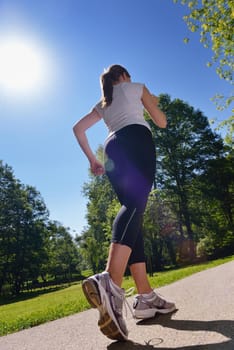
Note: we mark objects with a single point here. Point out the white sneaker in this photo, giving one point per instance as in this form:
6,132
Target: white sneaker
147,307
103,295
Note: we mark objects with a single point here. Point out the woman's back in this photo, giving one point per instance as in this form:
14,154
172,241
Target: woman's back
126,107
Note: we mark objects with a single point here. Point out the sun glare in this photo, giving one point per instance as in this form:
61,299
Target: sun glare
23,66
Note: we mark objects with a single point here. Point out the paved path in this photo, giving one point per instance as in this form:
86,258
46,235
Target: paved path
204,321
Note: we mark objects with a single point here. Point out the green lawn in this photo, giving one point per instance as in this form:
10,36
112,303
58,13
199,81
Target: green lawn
49,306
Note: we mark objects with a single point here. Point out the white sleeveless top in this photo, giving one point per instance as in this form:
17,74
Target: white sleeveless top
126,107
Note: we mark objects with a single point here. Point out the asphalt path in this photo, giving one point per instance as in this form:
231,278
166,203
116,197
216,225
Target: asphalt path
204,321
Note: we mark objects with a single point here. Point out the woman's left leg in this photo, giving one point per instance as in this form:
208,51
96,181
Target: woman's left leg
117,261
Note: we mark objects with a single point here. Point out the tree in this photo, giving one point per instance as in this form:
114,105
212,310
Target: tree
216,208
160,232
23,215
214,20
29,235
183,150
7,188
63,259
31,246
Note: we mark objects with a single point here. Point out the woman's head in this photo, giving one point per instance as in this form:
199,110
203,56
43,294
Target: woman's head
110,77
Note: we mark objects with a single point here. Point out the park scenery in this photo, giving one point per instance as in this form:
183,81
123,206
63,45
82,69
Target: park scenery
188,223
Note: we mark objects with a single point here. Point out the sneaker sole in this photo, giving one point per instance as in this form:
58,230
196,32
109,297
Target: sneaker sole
91,293
106,324
151,313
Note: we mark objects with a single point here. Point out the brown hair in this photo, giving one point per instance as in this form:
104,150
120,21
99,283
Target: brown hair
109,77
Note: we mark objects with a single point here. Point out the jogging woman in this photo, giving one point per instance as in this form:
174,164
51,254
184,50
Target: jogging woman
129,154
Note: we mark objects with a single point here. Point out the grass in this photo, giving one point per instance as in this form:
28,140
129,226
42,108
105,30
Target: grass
38,309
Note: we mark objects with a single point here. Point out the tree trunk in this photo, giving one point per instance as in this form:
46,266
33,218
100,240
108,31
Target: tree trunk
188,250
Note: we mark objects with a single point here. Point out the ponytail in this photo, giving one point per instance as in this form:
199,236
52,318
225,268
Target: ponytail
108,78
107,89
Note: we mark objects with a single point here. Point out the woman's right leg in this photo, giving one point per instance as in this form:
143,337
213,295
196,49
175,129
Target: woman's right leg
147,303
137,266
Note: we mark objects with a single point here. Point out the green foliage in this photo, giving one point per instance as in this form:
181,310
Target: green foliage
31,247
214,20
22,231
215,211
63,258
228,127
160,232
190,160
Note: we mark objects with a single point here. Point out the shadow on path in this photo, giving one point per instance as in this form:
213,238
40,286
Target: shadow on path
224,327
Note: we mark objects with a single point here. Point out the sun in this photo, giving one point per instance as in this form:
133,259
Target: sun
23,66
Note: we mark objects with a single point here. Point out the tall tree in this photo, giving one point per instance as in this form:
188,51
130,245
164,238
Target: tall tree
183,149
160,232
63,259
216,206
23,215
7,188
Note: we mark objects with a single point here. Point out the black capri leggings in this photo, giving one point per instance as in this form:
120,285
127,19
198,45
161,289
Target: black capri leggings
130,167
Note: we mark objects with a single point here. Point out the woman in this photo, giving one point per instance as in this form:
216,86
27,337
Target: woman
130,167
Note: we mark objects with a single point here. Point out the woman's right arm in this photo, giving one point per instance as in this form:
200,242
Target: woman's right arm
79,130
150,103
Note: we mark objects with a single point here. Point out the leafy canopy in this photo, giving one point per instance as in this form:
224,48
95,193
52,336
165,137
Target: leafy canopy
214,19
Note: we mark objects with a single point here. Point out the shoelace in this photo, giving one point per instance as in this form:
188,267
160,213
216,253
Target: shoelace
124,296
129,291
127,294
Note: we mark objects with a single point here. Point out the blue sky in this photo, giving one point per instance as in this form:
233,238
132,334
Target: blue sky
79,39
